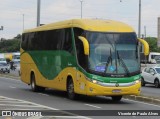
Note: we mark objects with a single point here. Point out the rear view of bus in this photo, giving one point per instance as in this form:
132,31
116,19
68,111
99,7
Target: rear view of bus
104,60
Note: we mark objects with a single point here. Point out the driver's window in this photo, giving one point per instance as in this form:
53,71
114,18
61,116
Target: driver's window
151,71
147,70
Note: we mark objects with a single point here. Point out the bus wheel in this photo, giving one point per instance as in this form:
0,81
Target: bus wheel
116,98
34,87
142,82
70,89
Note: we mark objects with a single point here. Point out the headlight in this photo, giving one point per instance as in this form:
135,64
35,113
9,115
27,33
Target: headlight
137,81
93,80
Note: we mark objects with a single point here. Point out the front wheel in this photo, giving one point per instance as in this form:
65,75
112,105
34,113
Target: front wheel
70,90
156,83
116,98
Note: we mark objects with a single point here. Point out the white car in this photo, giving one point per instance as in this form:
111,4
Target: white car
4,67
151,75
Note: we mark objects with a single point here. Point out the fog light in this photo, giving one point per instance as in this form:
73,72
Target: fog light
137,81
94,81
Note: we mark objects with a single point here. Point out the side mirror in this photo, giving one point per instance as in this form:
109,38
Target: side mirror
152,73
146,46
85,44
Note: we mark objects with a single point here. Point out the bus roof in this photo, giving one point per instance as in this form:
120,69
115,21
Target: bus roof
87,24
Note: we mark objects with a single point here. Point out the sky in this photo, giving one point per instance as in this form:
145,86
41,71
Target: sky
12,13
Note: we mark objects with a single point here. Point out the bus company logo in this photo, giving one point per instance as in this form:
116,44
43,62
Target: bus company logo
117,84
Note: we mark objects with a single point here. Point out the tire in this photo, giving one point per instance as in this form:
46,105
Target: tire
70,90
156,83
8,71
142,82
116,98
34,87
19,73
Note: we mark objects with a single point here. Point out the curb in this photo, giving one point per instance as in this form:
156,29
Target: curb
143,99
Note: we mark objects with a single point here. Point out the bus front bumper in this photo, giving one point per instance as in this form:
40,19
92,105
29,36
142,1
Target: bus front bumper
96,89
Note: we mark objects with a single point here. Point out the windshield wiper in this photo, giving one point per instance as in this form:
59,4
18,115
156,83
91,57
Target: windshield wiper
123,64
108,61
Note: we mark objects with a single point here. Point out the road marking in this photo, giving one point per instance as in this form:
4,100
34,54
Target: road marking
10,78
92,106
143,102
43,94
12,87
45,107
19,105
10,101
35,117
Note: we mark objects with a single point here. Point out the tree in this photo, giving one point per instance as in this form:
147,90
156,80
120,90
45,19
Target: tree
152,41
10,45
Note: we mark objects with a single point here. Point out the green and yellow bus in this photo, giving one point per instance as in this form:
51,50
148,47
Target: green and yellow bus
83,56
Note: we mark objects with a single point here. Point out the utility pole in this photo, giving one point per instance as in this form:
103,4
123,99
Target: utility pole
1,29
139,22
139,19
38,12
23,22
144,32
81,7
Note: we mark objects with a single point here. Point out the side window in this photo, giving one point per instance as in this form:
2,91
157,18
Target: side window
53,39
25,41
30,41
151,70
67,41
38,41
146,70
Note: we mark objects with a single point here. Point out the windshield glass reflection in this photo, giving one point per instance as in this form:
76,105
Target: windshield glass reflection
113,53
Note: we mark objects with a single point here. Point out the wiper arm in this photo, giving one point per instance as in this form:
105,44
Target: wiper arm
108,61
123,64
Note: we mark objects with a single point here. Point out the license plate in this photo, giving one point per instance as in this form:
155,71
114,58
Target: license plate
116,91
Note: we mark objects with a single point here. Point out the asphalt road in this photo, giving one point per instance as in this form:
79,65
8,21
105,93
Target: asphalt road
148,90
51,100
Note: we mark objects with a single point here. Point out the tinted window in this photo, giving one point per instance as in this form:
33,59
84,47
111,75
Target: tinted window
25,41
48,40
67,41
53,39
146,70
111,38
151,70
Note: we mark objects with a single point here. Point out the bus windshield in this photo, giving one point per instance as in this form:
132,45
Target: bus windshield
113,53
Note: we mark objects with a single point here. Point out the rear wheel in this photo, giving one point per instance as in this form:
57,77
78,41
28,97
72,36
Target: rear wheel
116,98
70,90
142,82
34,87
156,83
